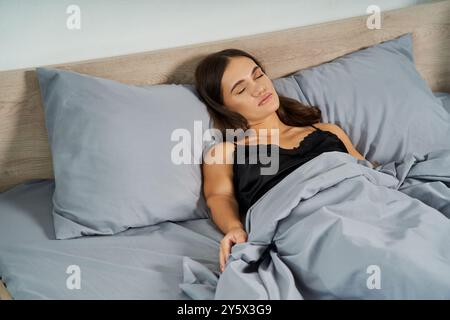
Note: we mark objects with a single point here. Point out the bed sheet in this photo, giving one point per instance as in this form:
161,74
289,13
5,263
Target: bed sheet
140,263
444,98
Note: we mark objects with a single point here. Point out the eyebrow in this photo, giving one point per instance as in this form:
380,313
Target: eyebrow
242,80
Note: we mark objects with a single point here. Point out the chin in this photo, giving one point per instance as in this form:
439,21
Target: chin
272,106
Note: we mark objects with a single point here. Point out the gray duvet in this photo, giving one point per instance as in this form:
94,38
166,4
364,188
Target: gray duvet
336,228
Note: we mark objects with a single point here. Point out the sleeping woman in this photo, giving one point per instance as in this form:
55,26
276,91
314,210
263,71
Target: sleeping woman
239,95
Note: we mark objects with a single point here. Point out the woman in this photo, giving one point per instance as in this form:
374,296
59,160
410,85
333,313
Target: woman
239,95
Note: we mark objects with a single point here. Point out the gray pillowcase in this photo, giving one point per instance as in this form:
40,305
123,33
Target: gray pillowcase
378,98
111,149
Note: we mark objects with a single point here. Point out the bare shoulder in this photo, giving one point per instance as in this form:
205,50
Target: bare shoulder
324,125
336,130
342,135
332,127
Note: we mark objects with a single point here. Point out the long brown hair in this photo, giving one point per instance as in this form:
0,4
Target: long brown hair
208,78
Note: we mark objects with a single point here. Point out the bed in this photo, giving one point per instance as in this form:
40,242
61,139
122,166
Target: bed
151,262
34,264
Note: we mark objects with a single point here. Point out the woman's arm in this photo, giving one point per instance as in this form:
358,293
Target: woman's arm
224,211
346,140
218,187
219,194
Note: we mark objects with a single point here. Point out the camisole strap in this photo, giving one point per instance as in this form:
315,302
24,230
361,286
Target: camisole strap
315,127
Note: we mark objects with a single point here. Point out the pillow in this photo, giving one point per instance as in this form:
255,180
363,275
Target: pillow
378,98
112,150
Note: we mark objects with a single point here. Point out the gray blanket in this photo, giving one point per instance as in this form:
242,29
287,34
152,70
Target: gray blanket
336,228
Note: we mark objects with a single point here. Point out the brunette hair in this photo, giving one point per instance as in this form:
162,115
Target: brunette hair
208,78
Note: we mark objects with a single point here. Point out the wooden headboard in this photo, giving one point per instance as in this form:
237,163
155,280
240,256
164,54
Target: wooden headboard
24,149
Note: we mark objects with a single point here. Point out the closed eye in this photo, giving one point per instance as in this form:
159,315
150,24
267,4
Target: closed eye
244,88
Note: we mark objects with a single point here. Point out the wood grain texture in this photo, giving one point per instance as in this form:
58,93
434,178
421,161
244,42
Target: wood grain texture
24,149
4,294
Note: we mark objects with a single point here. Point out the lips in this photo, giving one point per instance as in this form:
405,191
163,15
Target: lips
265,98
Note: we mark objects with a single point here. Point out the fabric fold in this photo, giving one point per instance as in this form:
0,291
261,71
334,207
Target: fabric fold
336,228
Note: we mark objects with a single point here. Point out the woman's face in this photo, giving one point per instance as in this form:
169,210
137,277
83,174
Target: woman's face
245,96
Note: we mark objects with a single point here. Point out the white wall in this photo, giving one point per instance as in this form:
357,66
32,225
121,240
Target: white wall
34,33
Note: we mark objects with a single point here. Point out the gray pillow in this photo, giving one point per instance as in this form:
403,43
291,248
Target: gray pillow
111,148
378,98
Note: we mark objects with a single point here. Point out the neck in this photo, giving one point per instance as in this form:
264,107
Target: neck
271,122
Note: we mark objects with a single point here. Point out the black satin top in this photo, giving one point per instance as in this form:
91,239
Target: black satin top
250,185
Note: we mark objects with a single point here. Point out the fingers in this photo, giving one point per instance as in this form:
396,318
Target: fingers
225,246
221,259
226,250
241,237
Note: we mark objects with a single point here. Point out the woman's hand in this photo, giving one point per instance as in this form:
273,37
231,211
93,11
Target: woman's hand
376,164
234,235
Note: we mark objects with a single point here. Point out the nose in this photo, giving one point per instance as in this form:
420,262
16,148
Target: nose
259,91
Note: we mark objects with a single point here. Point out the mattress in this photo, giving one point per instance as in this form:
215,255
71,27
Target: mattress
140,263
